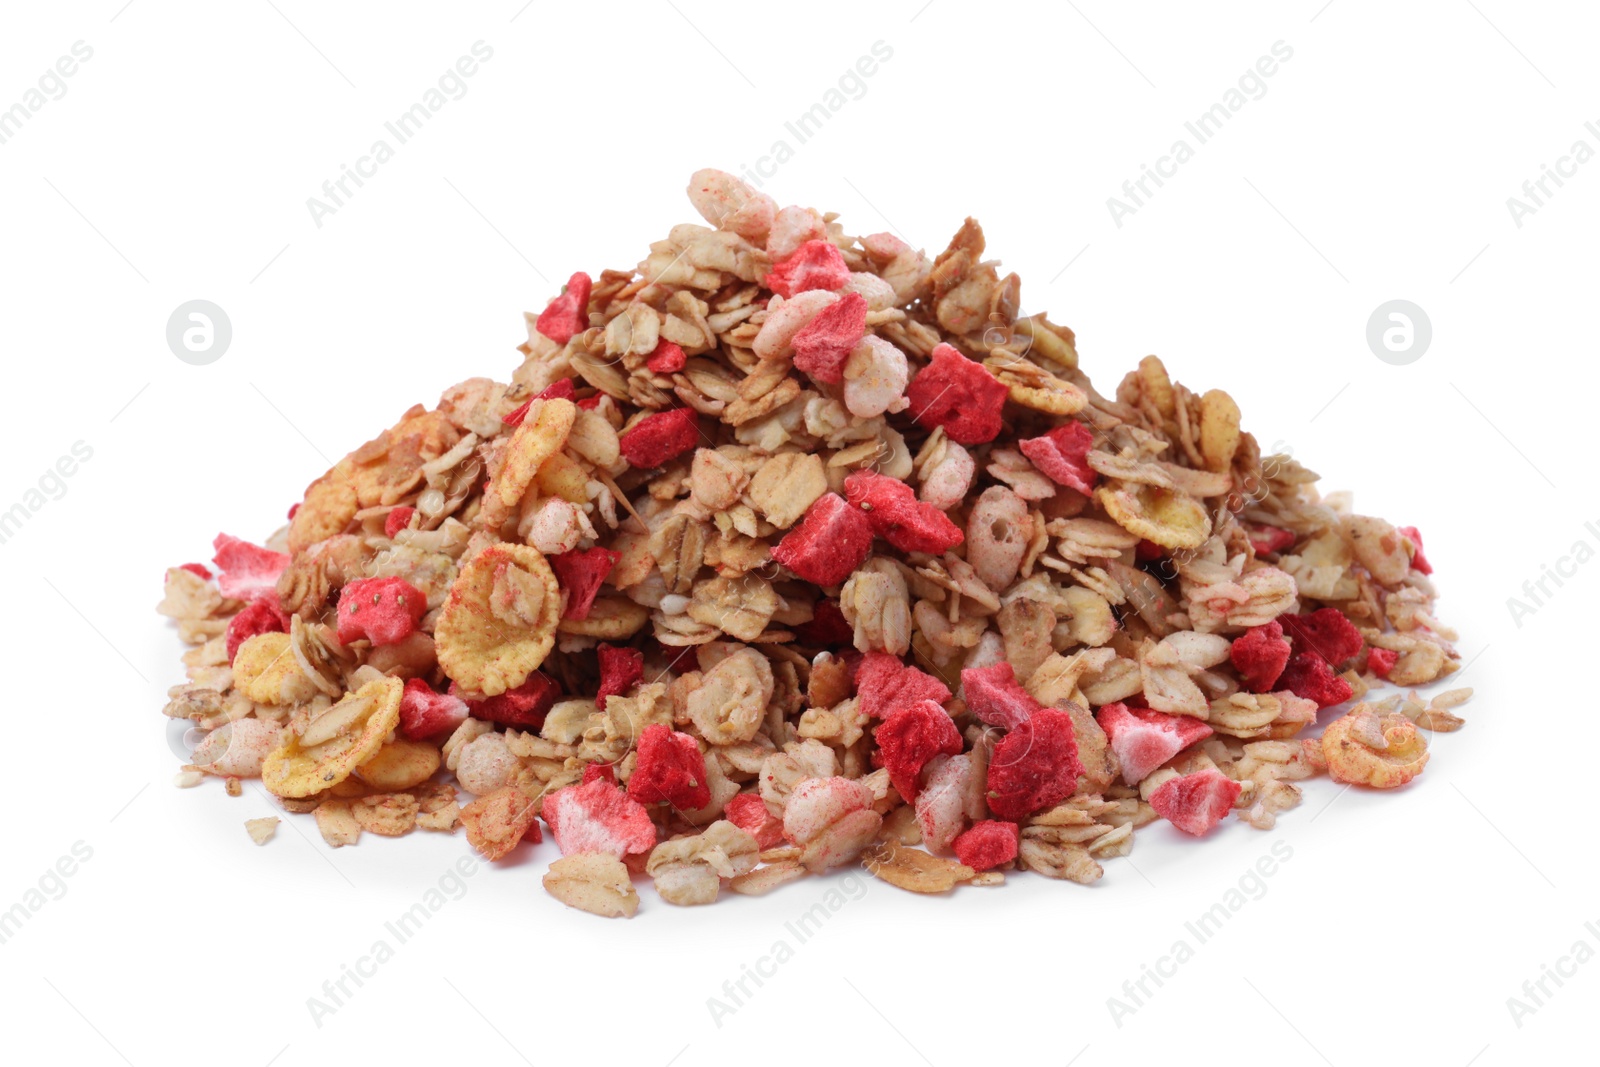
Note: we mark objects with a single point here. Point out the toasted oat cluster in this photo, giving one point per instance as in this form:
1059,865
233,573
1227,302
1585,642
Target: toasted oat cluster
788,549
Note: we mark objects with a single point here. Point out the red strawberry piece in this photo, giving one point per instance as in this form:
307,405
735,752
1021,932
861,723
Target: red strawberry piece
1195,803
292,509
897,516
988,844
828,544
567,314
1062,456
885,685
815,264
749,813
1418,560
827,626
589,403
993,695
397,520
1143,740
598,817
1326,632
246,570
580,573
425,714
382,610
823,344
1381,661
911,737
660,438
260,616
1149,552
962,396
1259,655
533,835
666,358
599,772
1269,539
524,706
561,388
1309,677
199,570
620,670
670,768
1034,766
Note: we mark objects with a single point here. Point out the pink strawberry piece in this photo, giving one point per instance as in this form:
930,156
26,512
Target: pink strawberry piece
1035,766
1259,655
382,610
660,438
1062,456
1267,540
397,520
988,844
749,813
1381,661
599,772
669,769
598,817
567,314
425,714
823,344
245,570
1143,740
1418,560
1195,803
962,396
884,685
524,706
666,358
1309,677
827,626
260,616
815,264
620,670
828,544
580,573
912,736
993,695
897,516
199,570
1326,632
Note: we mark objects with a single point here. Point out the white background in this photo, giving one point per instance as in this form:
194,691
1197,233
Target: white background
1376,166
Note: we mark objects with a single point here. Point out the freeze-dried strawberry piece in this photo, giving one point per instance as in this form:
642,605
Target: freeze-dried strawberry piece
397,520
293,508
199,570
1149,552
620,669
884,685
568,313
1259,655
660,438
1195,803
816,264
580,574
1418,560
1269,539
524,706
823,344
589,403
1381,661
962,396
260,616
827,626
425,714
1309,677
1034,766
749,813
828,544
1326,632
1143,740
561,388
598,817
993,695
988,844
599,772
245,570
1062,456
666,358
912,736
669,768
897,516
382,610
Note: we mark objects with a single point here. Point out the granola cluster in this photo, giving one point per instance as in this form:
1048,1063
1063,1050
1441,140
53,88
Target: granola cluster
788,549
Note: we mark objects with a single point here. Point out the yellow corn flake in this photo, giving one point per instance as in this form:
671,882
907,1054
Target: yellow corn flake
329,747
499,621
543,431
329,505
1363,748
1171,520
266,671
1219,430
611,618
400,765
562,476
1157,386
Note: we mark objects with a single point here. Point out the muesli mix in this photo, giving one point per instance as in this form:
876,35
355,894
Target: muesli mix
788,549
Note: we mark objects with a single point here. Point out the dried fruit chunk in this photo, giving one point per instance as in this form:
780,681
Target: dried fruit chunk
954,392
885,685
581,573
830,542
1419,562
818,803
822,345
1034,766
914,870
397,520
816,264
667,358
657,439
994,695
524,706
598,817
1260,655
1326,632
246,570
568,313
1363,748
262,616
595,882
988,844
669,769
749,813
1197,802
333,744
1163,516
1143,740
499,621
1062,456
897,516
381,610
912,736
425,713
1380,661
620,670
496,823
1309,677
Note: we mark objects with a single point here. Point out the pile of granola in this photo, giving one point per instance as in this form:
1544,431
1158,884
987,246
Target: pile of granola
789,549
